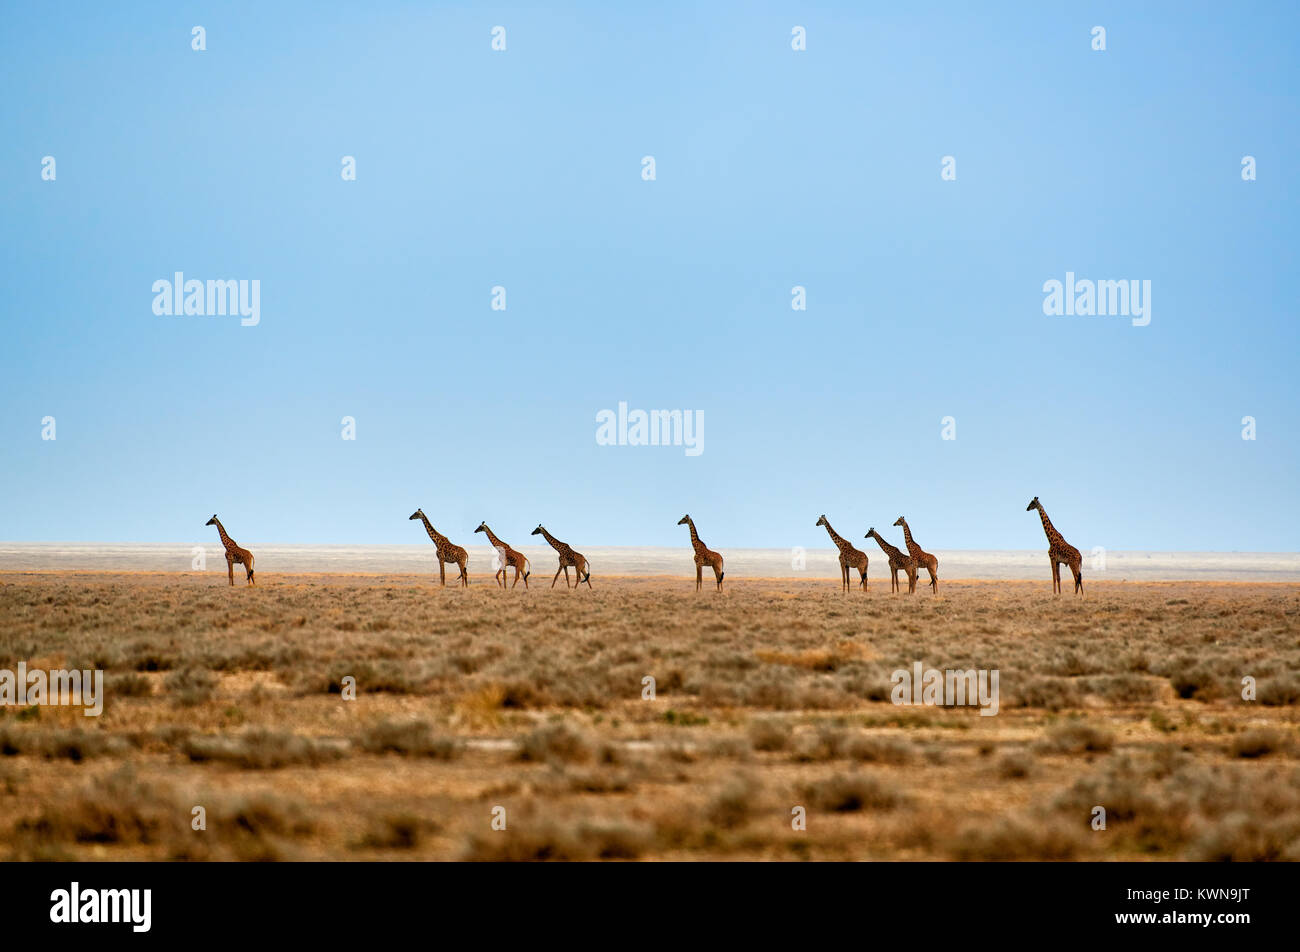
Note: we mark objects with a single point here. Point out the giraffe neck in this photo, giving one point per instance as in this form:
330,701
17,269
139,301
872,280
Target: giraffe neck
695,536
907,537
221,531
835,537
887,548
555,543
433,533
493,539
1047,523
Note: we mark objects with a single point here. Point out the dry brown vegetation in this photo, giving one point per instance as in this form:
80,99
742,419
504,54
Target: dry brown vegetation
773,695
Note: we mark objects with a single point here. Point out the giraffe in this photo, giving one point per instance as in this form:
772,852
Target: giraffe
897,561
1059,552
445,550
233,552
567,557
923,559
703,555
849,556
509,557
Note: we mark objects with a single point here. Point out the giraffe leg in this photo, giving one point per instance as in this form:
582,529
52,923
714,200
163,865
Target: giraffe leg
464,575
934,581
1076,569
557,577
230,569
1056,577
442,573
718,572
699,576
566,576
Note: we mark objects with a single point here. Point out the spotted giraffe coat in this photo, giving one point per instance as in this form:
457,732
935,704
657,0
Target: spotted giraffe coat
234,554
850,557
512,559
897,562
446,551
923,559
568,558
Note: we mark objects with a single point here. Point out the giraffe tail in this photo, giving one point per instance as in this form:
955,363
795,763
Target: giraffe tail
587,562
528,568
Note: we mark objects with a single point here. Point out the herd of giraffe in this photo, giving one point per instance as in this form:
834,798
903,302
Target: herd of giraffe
1059,552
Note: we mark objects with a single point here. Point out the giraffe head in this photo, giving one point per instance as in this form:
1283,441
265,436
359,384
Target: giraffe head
684,520
482,527
822,521
1033,504
871,532
212,521
900,521
416,515
538,531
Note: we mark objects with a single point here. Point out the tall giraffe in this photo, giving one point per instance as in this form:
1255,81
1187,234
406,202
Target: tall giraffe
567,557
233,552
509,557
897,561
849,556
923,559
1059,552
703,555
447,552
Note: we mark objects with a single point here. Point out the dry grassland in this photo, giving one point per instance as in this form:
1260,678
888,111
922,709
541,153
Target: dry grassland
774,695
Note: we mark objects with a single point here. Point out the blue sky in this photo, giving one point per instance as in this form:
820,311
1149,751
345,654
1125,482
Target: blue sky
775,168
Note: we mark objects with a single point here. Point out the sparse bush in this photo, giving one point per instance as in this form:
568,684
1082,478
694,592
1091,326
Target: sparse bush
117,808
1194,683
1015,766
129,684
557,743
1077,738
847,793
1279,692
396,831
1242,838
73,744
260,749
190,686
734,803
1258,742
879,750
410,738
553,841
1009,840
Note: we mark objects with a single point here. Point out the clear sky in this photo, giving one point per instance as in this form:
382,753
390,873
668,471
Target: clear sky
523,168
